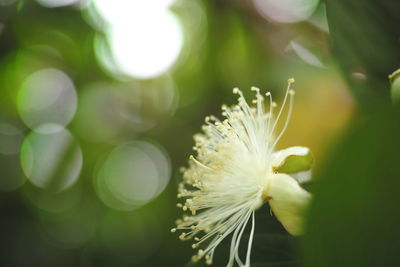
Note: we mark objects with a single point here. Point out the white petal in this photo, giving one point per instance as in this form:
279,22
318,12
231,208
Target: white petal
302,177
300,160
288,201
280,156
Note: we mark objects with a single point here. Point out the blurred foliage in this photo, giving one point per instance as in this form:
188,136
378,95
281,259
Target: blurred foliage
365,40
354,217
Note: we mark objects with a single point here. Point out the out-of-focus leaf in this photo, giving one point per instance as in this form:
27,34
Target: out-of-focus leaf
306,55
366,41
355,216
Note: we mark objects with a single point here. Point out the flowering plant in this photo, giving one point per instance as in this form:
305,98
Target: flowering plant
237,169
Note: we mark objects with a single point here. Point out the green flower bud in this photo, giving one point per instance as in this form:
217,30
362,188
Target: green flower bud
395,89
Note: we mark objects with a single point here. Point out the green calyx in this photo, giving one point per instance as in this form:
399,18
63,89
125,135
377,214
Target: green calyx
295,163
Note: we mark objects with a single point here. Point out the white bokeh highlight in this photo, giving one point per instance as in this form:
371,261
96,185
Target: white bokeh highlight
132,174
305,54
47,97
145,38
286,11
57,3
51,160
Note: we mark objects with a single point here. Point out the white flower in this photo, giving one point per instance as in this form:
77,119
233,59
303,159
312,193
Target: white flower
236,170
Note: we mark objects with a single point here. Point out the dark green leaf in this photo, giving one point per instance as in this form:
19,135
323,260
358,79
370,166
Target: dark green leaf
366,41
355,217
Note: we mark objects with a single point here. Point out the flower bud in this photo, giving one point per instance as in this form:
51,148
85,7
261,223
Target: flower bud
395,88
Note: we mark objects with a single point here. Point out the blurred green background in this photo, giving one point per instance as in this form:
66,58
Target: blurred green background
99,101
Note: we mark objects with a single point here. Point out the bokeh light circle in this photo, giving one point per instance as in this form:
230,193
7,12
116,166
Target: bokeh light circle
47,96
145,52
109,110
57,3
161,161
145,103
286,11
132,174
96,118
120,12
51,160
145,37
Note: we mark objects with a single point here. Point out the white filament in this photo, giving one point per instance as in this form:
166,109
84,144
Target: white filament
224,184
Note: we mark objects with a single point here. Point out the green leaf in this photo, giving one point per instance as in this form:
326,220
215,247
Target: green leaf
365,39
354,217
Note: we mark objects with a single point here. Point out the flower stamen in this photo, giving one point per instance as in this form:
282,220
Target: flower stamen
229,179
